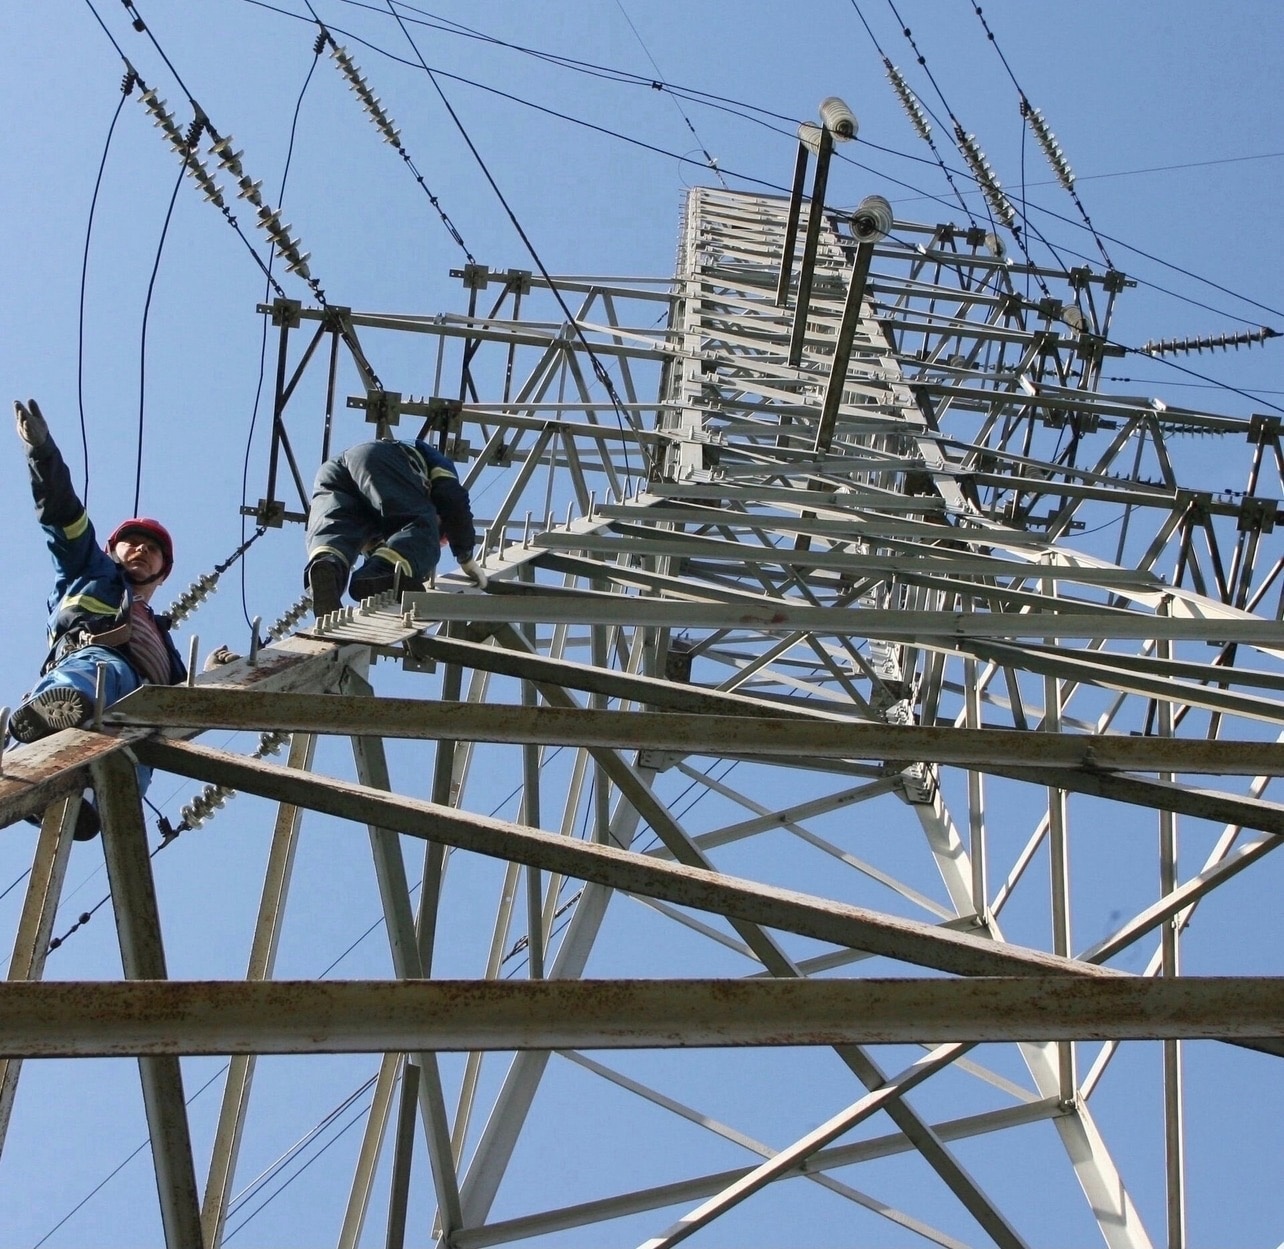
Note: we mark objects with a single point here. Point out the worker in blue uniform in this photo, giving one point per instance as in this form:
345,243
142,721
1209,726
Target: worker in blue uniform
396,503
100,616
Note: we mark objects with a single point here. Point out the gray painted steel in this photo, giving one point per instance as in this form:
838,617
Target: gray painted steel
800,683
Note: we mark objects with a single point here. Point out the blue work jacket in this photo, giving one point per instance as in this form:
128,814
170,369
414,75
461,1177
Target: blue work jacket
91,601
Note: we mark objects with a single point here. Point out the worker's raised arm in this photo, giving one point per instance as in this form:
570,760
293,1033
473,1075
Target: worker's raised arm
58,507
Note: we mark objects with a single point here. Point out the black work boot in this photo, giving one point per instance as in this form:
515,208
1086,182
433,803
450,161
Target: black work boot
88,824
325,583
375,576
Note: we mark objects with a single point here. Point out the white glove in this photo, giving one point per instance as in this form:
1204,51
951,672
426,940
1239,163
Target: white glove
218,657
470,569
32,428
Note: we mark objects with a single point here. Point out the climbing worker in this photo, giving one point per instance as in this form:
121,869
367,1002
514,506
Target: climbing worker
100,615
395,502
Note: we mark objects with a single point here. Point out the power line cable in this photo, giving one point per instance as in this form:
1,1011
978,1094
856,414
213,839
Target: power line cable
745,111
599,371
356,1118
913,108
1203,377
371,104
10,888
741,110
660,85
274,1168
269,220
317,49
111,1175
1188,273
1035,121
126,88
997,203
142,346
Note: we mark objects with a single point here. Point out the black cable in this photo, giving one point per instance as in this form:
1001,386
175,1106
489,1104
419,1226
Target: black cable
126,87
258,389
106,31
1163,290
10,888
111,1175
1026,109
599,371
143,29
589,68
290,1180
660,85
695,96
891,70
1203,377
742,110
963,141
142,346
372,106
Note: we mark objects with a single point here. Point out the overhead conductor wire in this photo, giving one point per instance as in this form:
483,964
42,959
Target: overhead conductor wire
142,345
752,113
1036,122
317,49
599,371
269,220
126,88
383,123
912,106
661,85
997,202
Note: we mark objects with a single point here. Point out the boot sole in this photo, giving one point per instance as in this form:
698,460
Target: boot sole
52,710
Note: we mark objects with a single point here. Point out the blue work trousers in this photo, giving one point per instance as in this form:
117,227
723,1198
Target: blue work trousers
373,498
80,670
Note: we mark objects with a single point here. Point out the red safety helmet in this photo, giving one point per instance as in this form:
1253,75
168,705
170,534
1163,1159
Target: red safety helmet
149,528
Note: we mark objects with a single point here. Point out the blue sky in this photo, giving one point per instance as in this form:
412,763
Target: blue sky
1166,109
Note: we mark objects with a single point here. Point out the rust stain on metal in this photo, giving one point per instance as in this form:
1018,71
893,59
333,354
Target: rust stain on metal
42,772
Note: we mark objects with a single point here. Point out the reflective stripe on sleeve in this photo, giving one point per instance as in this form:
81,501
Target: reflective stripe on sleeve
94,606
77,527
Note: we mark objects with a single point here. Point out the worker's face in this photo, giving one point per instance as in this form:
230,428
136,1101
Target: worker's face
140,557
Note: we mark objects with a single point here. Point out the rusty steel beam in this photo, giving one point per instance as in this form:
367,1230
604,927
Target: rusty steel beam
854,927
142,956
1158,795
35,926
747,736
63,1019
776,616
37,775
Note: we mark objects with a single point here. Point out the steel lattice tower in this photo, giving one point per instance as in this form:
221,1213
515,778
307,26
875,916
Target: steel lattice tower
829,681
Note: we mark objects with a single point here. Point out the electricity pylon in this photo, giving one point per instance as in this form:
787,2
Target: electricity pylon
831,685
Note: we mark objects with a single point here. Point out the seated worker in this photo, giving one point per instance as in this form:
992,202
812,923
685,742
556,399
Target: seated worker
99,608
396,502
